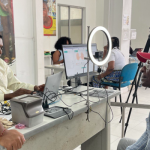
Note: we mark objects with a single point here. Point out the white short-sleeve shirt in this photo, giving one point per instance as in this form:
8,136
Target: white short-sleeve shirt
118,58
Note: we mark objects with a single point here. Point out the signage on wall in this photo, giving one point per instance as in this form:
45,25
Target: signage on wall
49,17
7,31
126,20
133,34
126,34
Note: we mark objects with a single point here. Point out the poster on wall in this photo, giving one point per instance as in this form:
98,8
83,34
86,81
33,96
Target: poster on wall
7,31
49,17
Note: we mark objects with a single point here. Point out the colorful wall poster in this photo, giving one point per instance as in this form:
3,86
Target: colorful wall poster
49,17
7,31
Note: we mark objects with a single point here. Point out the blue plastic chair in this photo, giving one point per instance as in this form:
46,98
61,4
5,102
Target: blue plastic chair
127,74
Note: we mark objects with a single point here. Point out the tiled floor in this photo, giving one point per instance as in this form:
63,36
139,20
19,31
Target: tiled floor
137,124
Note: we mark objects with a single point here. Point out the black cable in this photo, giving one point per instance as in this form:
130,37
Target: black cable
68,114
99,101
58,95
85,65
1,108
4,109
91,108
109,107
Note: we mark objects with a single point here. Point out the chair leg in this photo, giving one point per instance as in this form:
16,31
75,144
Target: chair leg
136,99
120,108
116,96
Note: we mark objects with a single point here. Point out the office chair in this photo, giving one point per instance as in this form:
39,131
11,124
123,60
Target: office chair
127,74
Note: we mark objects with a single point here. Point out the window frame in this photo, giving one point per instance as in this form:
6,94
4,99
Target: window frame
69,20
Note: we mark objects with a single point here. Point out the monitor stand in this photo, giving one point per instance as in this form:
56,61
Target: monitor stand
76,81
77,85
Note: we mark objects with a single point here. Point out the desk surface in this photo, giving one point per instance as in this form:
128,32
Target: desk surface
77,109
69,99
59,67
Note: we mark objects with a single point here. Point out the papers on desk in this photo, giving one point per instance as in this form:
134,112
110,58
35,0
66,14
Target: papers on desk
99,93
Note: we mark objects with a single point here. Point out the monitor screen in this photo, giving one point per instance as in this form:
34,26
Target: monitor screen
74,60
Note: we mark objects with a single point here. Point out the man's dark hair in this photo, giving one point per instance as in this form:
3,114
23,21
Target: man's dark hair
1,37
115,42
62,41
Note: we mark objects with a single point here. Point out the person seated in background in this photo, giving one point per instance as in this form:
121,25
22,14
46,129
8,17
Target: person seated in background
58,55
133,52
130,49
144,141
114,66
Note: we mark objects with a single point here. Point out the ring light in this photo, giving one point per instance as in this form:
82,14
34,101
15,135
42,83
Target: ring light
99,28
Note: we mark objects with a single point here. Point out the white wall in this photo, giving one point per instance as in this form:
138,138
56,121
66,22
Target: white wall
116,18
113,19
24,40
140,22
38,43
29,32
28,25
30,42
114,22
100,22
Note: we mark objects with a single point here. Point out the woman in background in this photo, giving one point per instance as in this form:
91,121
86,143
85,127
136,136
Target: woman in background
114,66
58,55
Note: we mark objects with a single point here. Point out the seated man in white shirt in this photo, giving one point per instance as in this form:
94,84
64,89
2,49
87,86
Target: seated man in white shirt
8,82
12,139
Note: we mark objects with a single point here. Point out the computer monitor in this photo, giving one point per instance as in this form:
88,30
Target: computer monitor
74,61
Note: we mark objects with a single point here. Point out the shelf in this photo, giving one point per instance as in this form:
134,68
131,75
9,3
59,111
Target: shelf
47,56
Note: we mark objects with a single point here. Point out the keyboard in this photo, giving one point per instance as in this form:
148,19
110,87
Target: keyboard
99,93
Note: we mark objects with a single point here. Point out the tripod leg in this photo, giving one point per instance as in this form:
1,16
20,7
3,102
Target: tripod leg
116,96
134,82
130,92
136,86
128,97
115,99
134,95
126,124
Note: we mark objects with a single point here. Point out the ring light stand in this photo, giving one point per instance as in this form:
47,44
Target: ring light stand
90,57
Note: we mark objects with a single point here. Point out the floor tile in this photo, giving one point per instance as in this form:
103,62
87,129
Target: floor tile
113,138
115,144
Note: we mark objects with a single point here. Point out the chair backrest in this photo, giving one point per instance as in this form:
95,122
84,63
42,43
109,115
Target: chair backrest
128,72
